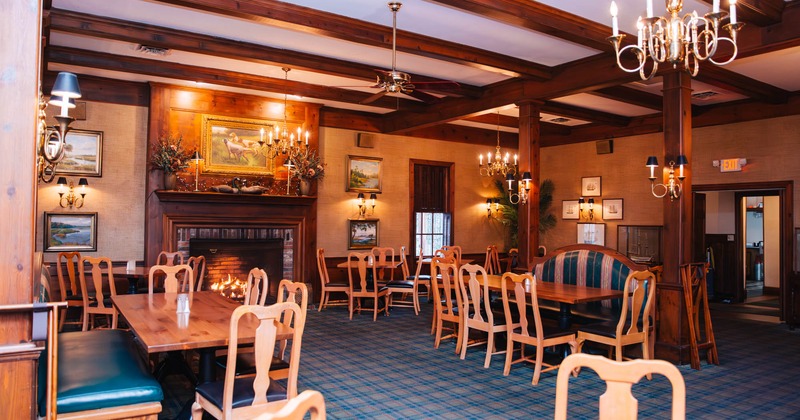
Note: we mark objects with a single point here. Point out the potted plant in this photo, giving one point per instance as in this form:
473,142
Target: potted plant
308,166
170,157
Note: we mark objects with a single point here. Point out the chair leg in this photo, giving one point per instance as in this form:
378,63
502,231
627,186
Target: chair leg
197,411
464,334
322,301
509,354
489,350
538,369
438,338
375,309
350,306
85,325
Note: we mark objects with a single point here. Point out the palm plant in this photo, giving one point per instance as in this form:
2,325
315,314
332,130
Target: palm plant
509,216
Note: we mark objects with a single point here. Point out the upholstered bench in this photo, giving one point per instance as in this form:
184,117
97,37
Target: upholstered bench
101,375
587,265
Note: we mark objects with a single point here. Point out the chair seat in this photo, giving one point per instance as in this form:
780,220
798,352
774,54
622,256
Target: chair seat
606,329
246,364
243,393
400,284
421,277
336,284
549,331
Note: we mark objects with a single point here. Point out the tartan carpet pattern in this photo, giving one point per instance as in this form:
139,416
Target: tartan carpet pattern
389,370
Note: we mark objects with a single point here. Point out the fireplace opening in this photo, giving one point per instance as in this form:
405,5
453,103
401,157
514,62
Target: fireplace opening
236,257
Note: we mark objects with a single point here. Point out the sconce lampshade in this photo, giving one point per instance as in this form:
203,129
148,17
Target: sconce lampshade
66,85
652,162
581,200
196,156
510,177
360,196
488,202
62,181
83,182
59,102
526,176
373,196
681,160
591,202
496,201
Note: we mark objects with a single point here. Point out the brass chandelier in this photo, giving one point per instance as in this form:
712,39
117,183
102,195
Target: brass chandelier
497,163
676,40
281,140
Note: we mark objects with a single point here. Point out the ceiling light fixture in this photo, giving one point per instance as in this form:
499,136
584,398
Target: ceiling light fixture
281,140
680,41
499,163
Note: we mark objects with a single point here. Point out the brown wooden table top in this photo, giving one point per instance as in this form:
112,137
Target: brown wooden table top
562,293
387,264
153,318
136,272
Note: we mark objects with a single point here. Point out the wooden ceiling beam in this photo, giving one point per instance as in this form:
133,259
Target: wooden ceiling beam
584,114
513,122
307,20
631,96
84,58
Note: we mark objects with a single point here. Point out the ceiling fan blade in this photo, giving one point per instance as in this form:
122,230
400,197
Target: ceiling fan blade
424,97
373,98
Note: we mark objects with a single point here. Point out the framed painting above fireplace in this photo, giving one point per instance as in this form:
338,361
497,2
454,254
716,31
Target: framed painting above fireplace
231,146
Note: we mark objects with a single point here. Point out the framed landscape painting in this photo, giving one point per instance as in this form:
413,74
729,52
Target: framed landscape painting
363,234
83,154
231,146
364,174
70,232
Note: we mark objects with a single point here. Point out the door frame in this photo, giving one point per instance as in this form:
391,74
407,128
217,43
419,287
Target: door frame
785,190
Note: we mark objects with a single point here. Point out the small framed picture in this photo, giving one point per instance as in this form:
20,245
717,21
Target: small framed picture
70,232
363,174
83,154
590,186
569,210
612,209
363,234
592,233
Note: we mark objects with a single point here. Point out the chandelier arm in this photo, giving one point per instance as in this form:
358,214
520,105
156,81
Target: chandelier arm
733,56
641,57
654,186
652,73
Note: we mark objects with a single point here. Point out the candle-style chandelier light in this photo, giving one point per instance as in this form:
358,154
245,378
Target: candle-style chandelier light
676,40
497,164
281,140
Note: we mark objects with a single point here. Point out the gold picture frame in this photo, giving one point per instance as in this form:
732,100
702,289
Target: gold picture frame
70,232
232,146
364,174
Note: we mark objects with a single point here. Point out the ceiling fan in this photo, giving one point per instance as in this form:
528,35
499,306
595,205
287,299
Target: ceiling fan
394,81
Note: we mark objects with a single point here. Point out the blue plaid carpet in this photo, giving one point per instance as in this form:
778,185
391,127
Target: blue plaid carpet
389,370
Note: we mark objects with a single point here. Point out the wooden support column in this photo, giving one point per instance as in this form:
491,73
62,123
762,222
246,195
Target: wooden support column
529,143
672,339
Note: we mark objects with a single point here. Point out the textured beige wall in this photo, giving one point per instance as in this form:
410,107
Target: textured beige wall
117,196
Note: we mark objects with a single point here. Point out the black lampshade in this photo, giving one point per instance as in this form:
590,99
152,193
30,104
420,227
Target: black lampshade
62,180
66,85
373,196
526,176
681,160
196,156
509,177
360,196
652,162
83,182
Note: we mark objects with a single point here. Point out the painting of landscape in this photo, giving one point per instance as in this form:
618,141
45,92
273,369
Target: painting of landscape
70,232
364,174
83,154
363,234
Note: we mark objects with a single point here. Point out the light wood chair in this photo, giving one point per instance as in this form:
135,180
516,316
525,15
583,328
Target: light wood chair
447,301
384,255
70,293
701,333
177,278
329,287
357,262
517,307
288,291
477,311
492,261
257,287
440,256
513,259
415,281
401,292
633,326
456,250
618,403
169,258
267,395
96,301
198,265
308,402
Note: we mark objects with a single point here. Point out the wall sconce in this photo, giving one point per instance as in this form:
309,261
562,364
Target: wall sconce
196,158
523,188
362,204
52,140
673,187
490,208
71,199
587,206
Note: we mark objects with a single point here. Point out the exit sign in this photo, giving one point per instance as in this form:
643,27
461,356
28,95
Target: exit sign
731,165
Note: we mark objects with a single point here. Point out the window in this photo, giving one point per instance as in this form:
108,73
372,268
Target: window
432,231
431,206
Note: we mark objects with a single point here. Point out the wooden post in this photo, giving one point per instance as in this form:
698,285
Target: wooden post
529,142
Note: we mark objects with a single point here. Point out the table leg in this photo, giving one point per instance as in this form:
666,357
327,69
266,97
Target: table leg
133,285
207,368
564,316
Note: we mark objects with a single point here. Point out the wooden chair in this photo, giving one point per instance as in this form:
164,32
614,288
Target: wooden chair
405,287
263,395
257,287
447,301
357,261
198,265
70,293
618,403
513,259
701,334
288,291
169,258
440,256
525,331
384,255
633,326
177,278
456,251
96,301
329,287
477,310
416,281
308,402
492,261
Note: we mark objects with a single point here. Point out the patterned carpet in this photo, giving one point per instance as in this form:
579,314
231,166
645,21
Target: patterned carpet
389,370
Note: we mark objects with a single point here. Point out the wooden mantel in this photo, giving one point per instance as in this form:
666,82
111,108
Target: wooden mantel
169,210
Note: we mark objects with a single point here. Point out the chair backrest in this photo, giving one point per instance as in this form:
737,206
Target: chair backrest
513,259
265,339
404,263
638,309
492,261
383,254
102,279
447,253
456,250
308,402
70,261
169,258
475,292
178,278
618,403
444,275
297,292
321,267
257,287
357,263
517,303
198,265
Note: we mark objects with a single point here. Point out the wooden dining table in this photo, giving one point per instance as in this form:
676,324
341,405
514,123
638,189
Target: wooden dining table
133,276
154,319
